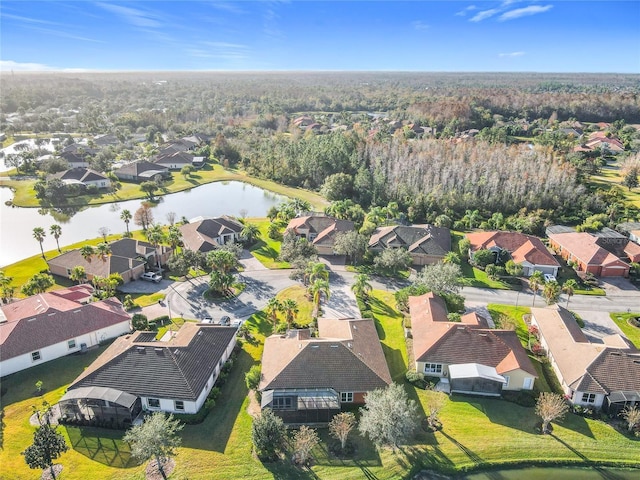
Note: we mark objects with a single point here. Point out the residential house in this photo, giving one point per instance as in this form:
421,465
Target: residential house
106,140
138,372
618,244
141,171
75,160
589,257
467,356
206,234
425,243
527,250
598,375
307,379
128,257
319,230
631,230
601,141
174,161
50,325
83,176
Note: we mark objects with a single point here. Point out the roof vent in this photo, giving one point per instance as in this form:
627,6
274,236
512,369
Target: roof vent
355,327
77,311
141,349
199,332
460,328
350,345
51,314
482,334
31,319
617,354
315,346
334,346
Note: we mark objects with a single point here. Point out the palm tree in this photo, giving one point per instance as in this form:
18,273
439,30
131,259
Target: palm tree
155,235
104,250
290,310
551,291
87,252
451,257
316,290
126,217
56,231
39,234
569,287
78,274
174,237
362,287
535,280
5,286
273,307
250,232
316,271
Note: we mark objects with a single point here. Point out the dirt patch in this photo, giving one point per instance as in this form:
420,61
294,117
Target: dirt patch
153,473
254,406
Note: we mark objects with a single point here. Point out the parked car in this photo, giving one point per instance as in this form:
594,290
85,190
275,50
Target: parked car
225,321
549,278
151,277
207,320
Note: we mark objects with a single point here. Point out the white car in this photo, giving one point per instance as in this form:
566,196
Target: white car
549,278
151,277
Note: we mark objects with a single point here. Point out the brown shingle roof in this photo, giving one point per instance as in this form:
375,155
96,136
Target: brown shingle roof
521,247
346,357
46,319
612,370
201,235
178,368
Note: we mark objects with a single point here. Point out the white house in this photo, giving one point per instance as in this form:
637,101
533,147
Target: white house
597,375
54,324
174,374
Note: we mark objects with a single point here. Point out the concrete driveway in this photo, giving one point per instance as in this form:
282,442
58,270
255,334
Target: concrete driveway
597,325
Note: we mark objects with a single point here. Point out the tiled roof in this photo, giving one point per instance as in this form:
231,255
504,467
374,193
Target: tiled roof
435,339
521,247
346,357
425,239
46,319
178,368
583,246
325,228
633,251
118,262
571,350
612,370
139,167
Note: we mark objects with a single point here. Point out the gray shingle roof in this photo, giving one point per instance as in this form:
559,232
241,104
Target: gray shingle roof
425,239
176,369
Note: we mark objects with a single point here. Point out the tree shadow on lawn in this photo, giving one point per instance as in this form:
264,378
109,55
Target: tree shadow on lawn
260,247
520,418
102,446
286,470
213,433
365,453
603,472
474,457
380,308
417,459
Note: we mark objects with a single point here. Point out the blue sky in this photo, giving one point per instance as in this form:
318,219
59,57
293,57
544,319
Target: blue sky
508,35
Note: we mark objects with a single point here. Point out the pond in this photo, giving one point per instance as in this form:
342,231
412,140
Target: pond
564,473
210,200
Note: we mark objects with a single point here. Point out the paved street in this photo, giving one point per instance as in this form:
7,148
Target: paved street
186,299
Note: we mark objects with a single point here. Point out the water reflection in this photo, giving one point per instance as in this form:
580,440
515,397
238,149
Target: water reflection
219,198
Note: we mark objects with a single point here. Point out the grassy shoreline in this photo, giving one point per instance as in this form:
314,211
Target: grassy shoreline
24,196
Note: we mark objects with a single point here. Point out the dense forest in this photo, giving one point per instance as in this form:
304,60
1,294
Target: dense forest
521,164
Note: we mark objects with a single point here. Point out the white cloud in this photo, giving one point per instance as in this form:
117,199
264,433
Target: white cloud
419,25
224,50
524,12
464,11
10,65
227,7
478,17
134,16
511,54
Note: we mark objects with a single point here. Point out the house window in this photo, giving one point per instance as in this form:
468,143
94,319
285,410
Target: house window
346,397
178,405
153,402
506,381
71,344
588,398
433,368
282,403
35,356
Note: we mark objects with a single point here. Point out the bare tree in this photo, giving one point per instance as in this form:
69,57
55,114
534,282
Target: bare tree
171,218
304,440
550,407
103,231
632,416
341,425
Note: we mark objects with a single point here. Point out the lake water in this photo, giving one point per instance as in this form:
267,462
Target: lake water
210,200
560,473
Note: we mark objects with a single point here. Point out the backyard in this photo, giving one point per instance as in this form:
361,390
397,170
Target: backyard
476,432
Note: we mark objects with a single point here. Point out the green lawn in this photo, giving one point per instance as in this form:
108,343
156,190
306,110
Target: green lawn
610,177
476,432
24,196
266,249
631,332
305,305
